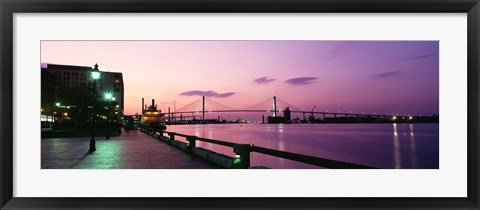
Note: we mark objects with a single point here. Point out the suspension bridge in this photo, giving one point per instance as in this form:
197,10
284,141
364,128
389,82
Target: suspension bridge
197,109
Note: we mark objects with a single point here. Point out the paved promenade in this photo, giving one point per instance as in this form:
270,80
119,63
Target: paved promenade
131,150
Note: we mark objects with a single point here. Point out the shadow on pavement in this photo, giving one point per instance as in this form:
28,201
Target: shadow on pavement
80,160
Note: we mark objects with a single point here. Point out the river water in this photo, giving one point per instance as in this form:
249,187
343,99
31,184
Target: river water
389,146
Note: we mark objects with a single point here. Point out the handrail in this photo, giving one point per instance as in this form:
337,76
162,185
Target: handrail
243,151
213,141
327,163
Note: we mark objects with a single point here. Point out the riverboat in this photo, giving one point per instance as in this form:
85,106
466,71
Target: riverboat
153,118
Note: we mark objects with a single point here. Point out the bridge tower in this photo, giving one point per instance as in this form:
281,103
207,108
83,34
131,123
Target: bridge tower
274,106
203,109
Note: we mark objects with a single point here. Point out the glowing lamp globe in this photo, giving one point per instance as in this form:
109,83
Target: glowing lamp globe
95,75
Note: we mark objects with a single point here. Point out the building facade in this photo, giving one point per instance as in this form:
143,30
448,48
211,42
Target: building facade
70,78
67,96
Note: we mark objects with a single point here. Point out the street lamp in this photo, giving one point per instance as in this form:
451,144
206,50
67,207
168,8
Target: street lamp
57,104
108,96
95,76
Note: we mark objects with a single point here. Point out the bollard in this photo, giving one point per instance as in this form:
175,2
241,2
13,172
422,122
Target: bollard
172,138
191,143
242,157
161,133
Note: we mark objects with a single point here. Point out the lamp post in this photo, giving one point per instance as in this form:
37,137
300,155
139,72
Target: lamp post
55,114
95,76
108,96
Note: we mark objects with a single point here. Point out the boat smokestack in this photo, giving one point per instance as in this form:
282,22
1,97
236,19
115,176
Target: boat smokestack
143,106
153,103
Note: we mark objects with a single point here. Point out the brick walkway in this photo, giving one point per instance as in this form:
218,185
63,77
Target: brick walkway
130,150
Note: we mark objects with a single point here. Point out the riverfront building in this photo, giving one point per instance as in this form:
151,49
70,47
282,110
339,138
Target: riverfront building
67,95
77,78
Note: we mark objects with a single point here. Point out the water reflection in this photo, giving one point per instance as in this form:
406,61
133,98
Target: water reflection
281,140
397,157
413,147
197,130
210,132
416,147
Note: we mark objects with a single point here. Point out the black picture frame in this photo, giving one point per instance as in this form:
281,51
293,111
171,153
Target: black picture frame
10,7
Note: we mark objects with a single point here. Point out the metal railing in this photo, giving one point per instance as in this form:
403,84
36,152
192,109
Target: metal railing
242,151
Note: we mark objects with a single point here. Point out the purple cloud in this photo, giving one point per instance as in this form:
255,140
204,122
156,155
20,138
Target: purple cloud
340,50
224,95
424,56
386,74
301,80
420,56
263,80
207,93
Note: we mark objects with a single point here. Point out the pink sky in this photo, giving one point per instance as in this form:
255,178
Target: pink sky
359,76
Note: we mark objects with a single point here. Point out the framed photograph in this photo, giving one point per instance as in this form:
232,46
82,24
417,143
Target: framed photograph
239,105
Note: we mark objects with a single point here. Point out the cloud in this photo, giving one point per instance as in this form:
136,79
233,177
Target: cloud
300,80
207,93
424,56
340,49
386,74
263,80
421,56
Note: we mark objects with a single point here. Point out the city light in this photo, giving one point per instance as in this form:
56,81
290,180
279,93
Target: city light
66,114
95,75
394,117
237,159
57,104
108,96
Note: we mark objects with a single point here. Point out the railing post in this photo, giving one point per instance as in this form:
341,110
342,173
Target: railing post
242,157
172,138
191,143
161,133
